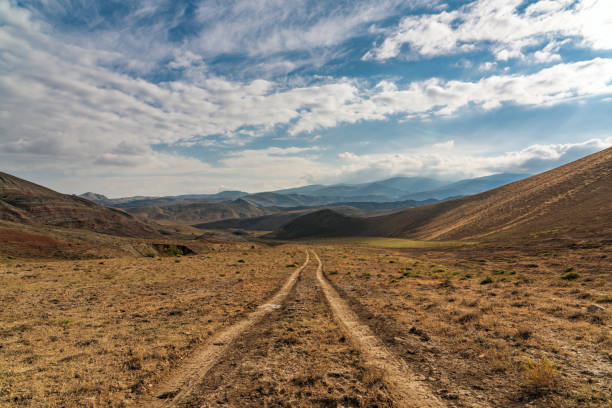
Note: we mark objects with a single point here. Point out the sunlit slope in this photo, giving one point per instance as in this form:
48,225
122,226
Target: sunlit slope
574,197
24,202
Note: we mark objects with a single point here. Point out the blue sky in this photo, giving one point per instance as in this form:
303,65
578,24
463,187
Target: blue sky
160,97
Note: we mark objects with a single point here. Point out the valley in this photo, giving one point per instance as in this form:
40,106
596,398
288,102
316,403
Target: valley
496,299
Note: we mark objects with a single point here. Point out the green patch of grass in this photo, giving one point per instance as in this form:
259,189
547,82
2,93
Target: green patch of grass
605,299
381,242
570,276
569,269
499,272
486,281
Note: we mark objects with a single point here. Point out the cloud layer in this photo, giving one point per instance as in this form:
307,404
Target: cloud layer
140,91
504,28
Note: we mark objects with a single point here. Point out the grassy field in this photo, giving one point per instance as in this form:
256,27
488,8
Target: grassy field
506,327
93,333
381,242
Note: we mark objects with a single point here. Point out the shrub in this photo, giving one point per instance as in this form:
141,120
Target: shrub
486,281
570,276
241,261
150,255
499,272
569,269
541,376
172,250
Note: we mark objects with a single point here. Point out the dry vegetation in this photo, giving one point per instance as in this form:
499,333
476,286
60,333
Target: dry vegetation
298,357
489,325
92,333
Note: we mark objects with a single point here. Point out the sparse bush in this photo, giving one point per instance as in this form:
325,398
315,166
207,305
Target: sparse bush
291,265
569,269
499,272
541,376
150,255
570,276
172,250
486,281
523,332
605,299
240,261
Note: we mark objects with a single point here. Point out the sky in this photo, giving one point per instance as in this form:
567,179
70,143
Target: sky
165,97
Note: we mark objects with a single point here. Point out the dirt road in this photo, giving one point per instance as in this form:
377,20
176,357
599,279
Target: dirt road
407,390
181,384
305,348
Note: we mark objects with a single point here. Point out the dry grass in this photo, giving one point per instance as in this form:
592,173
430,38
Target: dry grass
99,332
474,340
298,357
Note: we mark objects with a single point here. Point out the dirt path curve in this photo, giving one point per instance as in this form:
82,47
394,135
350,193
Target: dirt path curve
184,381
401,381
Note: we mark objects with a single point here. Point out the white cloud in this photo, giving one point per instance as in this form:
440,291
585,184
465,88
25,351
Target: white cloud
501,26
435,97
452,164
266,27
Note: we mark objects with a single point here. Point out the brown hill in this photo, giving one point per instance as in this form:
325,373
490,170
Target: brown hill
27,203
575,197
197,213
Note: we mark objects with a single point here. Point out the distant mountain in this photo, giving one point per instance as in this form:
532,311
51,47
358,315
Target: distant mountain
166,200
277,220
576,197
24,202
466,187
197,213
384,190
388,190
284,200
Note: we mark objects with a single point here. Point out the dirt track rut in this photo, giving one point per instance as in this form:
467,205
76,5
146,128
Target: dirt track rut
183,382
298,356
402,382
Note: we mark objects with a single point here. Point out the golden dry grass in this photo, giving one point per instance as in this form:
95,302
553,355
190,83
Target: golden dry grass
95,333
522,336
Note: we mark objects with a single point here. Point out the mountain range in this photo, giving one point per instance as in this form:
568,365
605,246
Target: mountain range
375,197
574,198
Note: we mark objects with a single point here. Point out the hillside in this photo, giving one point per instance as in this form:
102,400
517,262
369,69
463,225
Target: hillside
195,213
277,220
466,187
24,202
575,197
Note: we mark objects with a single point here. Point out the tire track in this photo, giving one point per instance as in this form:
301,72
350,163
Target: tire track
180,386
297,357
401,381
